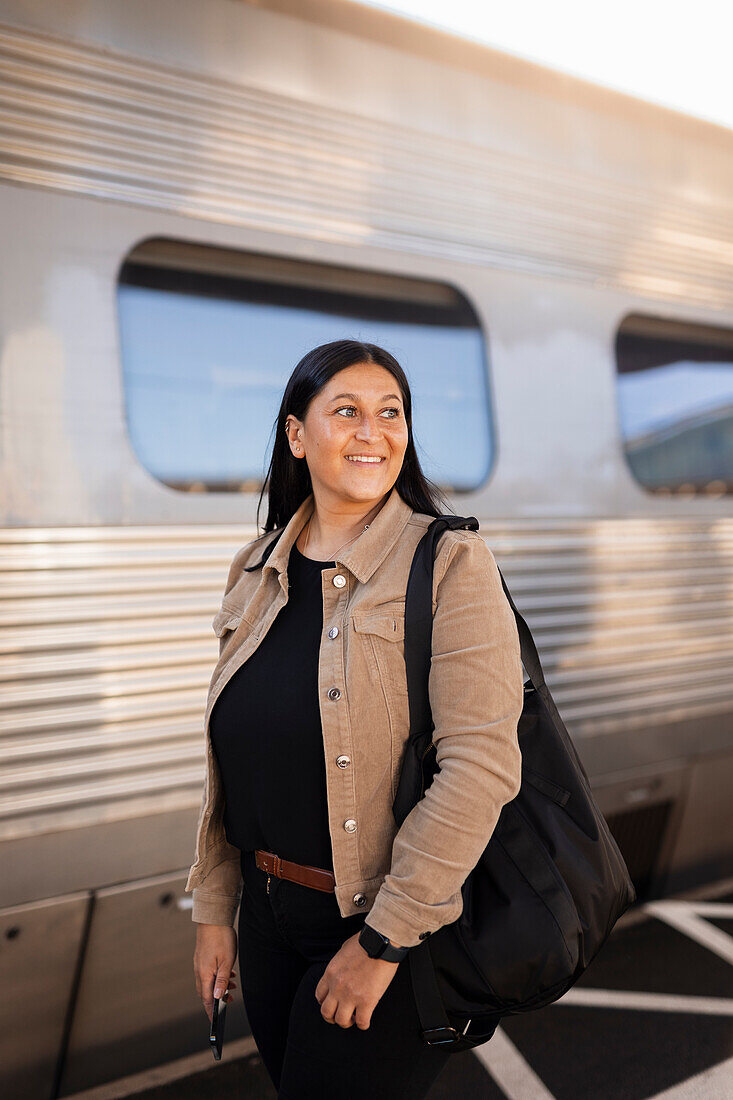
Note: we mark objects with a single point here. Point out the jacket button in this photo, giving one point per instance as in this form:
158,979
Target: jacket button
333,632
350,825
334,693
339,580
360,899
423,935
343,761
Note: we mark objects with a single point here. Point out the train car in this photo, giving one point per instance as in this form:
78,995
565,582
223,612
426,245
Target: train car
192,196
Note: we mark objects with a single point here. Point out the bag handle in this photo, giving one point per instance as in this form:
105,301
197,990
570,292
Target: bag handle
419,623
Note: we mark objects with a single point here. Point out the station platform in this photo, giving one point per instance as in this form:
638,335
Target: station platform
651,1019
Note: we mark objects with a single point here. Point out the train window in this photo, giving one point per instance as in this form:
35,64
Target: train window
210,336
675,400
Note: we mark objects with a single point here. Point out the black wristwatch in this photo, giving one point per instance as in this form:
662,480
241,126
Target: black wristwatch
378,946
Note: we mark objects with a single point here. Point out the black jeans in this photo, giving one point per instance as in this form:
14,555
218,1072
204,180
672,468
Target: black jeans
286,940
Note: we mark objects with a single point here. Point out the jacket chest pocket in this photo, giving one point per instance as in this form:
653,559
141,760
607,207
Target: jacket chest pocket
383,630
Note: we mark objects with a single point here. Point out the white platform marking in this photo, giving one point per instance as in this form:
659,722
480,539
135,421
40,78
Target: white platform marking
647,1002
711,1084
125,1088
693,919
512,1073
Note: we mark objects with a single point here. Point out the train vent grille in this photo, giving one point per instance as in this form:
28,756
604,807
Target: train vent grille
640,834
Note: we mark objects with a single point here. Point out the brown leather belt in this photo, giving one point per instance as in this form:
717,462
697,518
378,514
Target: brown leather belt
316,877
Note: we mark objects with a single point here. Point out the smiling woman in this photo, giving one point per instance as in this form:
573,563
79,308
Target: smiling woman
354,451
307,721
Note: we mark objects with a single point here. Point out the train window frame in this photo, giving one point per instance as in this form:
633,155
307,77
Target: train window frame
644,328
361,294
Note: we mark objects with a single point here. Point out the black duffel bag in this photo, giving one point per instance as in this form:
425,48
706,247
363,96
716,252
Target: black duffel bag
551,883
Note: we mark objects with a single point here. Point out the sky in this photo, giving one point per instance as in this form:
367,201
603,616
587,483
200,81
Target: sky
676,55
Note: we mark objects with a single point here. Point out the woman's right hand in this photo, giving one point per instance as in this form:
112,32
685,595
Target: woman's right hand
213,959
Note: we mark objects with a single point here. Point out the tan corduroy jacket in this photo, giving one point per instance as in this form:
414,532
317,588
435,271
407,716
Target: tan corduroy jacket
408,880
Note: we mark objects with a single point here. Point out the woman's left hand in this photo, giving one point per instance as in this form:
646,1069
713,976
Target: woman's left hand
352,984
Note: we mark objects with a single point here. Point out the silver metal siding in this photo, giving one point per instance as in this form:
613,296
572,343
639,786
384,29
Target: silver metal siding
106,649
109,124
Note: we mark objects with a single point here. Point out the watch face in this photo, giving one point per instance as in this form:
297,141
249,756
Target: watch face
372,941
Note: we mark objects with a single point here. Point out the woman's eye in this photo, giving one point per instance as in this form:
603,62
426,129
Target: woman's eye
394,410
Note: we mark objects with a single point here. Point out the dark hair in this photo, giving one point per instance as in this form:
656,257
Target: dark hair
288,480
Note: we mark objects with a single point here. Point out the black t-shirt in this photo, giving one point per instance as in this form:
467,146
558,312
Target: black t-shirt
266,732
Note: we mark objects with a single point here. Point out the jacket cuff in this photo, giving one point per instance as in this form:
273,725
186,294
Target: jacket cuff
408,928
211,908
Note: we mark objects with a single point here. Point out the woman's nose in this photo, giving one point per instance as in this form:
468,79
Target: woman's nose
369,428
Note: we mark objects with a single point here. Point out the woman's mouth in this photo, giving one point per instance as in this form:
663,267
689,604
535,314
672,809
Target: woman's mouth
365,460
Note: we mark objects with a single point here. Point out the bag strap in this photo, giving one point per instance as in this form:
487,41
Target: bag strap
419,623
436,1027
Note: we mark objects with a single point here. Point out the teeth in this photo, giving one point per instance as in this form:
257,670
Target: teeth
362,460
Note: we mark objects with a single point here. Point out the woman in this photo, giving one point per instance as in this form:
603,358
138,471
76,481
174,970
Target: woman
306,720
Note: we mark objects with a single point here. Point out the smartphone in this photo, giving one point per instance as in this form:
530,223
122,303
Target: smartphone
216,1028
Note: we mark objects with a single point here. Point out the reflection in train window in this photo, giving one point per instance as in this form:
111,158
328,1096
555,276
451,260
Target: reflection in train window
210,336
675,400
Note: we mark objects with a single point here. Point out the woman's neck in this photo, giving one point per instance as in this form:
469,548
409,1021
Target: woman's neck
323,536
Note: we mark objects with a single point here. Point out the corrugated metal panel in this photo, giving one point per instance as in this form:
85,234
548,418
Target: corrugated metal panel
106,652
106,648
633,618
103,123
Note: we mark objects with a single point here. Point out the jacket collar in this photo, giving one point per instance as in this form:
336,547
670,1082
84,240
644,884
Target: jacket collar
362,556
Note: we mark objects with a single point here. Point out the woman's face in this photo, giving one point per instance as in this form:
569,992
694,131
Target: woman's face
359,412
